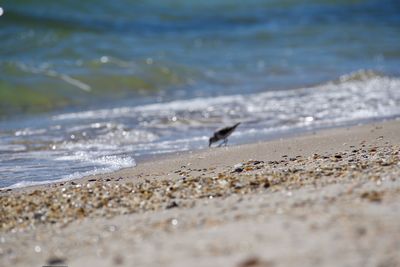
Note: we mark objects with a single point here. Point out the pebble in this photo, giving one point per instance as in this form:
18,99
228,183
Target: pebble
254,262
171,205
64,204
55,261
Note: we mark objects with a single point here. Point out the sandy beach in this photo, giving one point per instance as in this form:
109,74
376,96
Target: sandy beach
327,198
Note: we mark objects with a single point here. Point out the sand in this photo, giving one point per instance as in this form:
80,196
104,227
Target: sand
330,198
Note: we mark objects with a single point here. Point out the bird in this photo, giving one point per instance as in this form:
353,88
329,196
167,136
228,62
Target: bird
222,134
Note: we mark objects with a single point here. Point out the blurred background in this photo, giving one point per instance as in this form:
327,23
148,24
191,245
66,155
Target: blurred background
70,53
93,86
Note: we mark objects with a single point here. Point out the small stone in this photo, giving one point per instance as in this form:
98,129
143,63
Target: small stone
174,222
254,262
55,261
238,169
254,184
361,231
373,196
37,216
171,205
118,260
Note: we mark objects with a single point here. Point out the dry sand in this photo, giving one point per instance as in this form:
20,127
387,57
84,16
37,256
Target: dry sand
330,198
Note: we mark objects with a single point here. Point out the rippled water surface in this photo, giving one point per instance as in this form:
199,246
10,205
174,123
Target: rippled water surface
93,86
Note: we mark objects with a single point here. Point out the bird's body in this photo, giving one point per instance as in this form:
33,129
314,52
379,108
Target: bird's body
223,134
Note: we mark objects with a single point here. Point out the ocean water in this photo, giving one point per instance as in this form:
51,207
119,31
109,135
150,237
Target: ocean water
95,86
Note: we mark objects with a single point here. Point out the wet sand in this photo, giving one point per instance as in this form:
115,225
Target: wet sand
329,198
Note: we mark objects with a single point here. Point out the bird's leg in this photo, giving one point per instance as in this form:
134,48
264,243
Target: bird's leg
225,141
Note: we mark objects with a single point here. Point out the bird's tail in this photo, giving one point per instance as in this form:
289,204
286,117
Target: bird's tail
236,125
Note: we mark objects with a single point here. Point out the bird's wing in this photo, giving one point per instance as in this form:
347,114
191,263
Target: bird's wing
228,130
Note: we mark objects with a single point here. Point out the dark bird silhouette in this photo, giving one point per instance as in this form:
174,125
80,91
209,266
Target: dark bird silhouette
223,134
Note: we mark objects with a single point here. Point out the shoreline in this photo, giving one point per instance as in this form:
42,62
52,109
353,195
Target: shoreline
159,162
248,204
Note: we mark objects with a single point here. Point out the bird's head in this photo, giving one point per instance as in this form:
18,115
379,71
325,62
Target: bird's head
212,140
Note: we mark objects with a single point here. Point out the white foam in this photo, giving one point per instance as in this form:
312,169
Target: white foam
186,124
121,164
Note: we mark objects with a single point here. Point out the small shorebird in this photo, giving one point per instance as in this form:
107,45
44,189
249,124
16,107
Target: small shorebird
223,135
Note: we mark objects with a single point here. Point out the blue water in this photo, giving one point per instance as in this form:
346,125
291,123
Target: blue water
93,86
